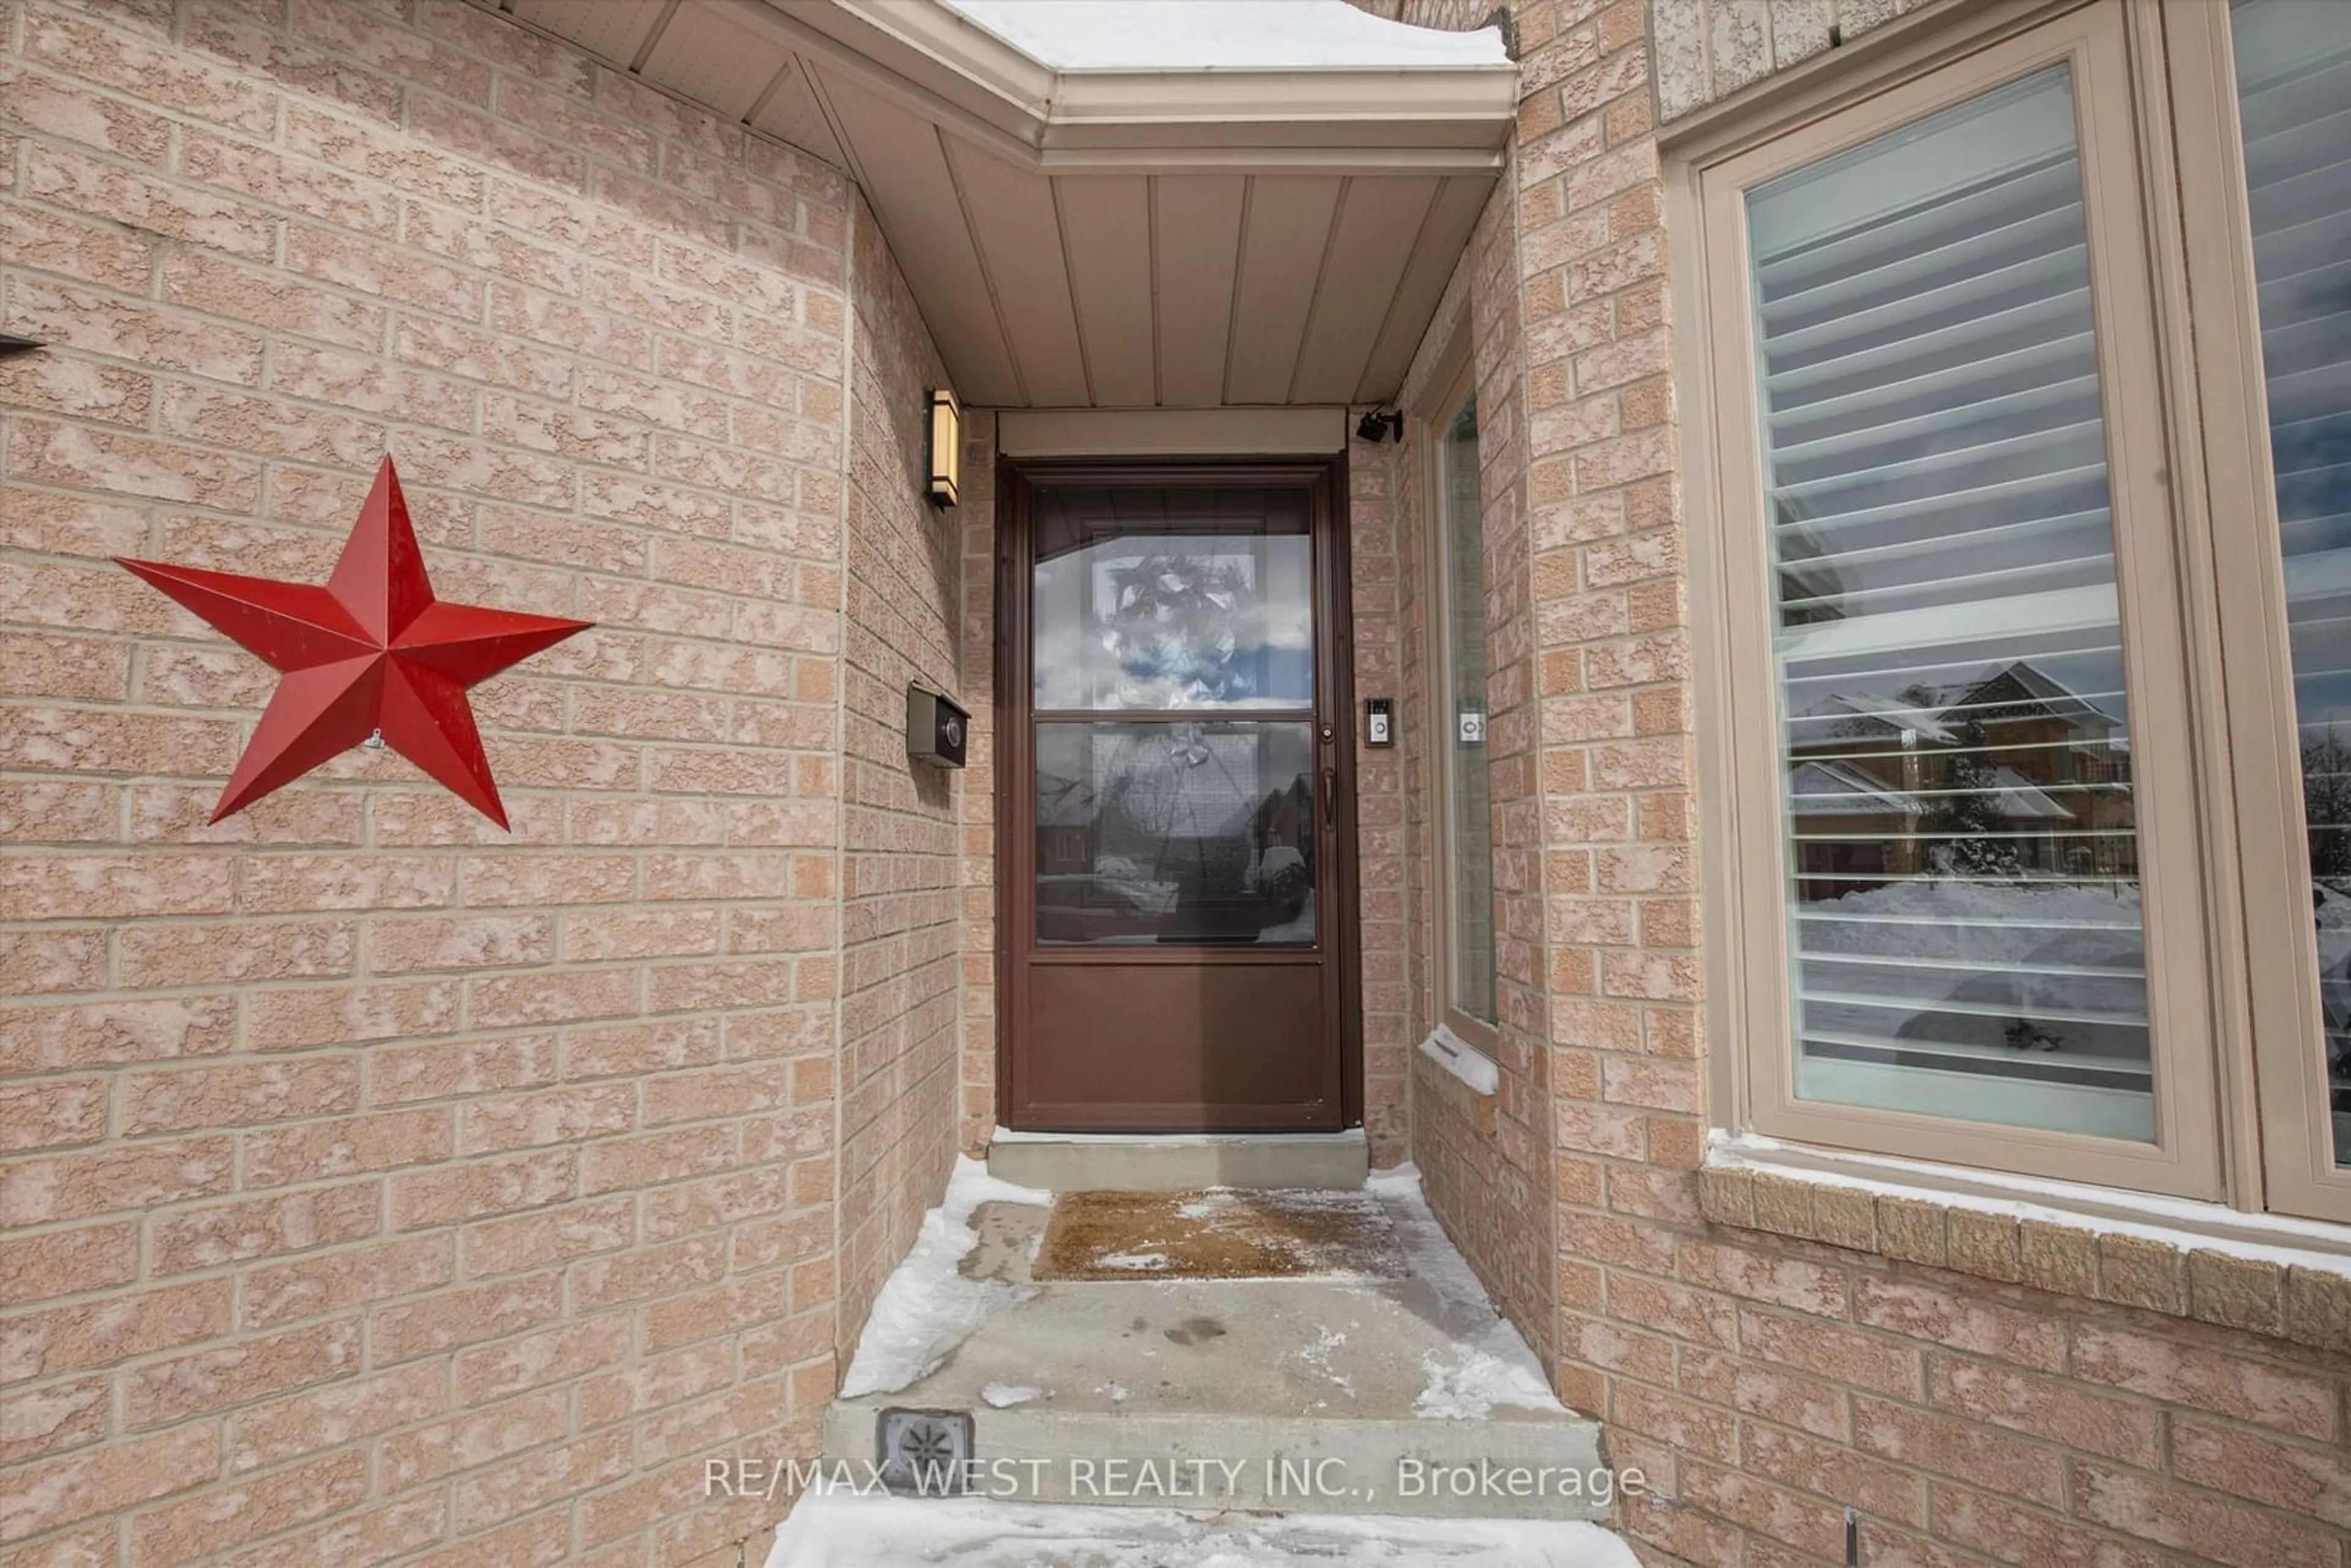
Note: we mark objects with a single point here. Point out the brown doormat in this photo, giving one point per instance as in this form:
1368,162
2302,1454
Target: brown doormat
1221,1233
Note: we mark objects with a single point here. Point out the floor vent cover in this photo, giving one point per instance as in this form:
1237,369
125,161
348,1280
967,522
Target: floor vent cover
926,1453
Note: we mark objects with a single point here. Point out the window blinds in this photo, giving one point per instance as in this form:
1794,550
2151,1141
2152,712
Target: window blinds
1964,895
2293,86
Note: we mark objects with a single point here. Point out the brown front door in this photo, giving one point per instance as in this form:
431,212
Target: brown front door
1178,908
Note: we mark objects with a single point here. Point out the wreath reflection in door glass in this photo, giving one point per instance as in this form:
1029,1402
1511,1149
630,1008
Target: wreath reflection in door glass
1206,602
1176,832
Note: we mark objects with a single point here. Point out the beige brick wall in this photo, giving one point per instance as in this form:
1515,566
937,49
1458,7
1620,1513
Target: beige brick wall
1763,1382
901,861
1708,49
1384,785
384,1187
1487,1168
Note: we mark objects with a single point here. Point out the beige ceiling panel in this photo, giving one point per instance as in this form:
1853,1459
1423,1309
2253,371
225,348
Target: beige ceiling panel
1106,221
905,173
792,113
713,59
1442,238
610,29
1378,223
1168,432
1198,239
1127,237
1012,217
1286,227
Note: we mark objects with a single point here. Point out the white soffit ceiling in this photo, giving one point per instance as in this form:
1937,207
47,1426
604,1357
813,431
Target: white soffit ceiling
1119,203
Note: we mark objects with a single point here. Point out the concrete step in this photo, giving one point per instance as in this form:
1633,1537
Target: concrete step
1293,1465
1177,1162
832,1530
1331,1395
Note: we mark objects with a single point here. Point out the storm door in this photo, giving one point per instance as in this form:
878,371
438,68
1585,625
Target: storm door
1177,903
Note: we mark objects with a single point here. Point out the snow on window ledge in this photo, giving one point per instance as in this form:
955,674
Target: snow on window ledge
1462,1060
2268,1273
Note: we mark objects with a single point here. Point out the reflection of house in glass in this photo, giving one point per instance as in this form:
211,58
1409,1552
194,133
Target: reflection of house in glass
1065,826
1156,833
2008,774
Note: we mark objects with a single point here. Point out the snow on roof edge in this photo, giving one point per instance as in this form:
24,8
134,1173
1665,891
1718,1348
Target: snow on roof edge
1081,36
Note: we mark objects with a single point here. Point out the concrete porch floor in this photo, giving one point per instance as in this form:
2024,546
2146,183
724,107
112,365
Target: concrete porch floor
1332,1402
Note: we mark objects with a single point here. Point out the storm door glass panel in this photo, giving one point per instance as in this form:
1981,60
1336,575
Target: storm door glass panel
1173,597
1177,822
2293,84
1181,832
1956,796
1468,795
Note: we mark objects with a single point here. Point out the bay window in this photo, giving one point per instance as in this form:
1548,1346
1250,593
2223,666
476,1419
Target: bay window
2024,491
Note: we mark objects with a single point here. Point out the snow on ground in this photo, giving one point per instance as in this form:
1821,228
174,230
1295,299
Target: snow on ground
1997,926
1234,35
1496,1368
1328,1341
1140,1262
927,1307
840,1531
1005,1396
1491,1363
1990,925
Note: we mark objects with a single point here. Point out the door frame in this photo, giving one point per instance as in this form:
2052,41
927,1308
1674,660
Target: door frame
1015,813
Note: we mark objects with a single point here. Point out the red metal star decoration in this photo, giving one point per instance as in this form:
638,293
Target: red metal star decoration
372,654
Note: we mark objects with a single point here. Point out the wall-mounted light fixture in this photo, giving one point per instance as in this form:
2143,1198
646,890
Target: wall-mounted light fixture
945,458
1375,426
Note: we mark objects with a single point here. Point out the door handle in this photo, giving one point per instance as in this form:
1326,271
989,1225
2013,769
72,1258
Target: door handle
1330,794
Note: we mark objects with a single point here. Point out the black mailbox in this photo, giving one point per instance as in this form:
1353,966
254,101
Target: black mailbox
937,730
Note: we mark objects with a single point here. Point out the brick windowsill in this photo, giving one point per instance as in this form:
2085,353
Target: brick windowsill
2283,1285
